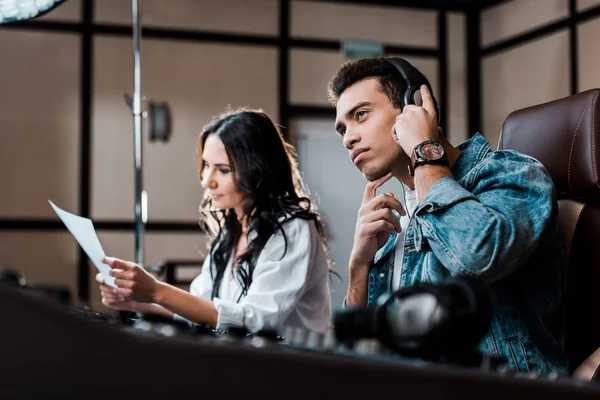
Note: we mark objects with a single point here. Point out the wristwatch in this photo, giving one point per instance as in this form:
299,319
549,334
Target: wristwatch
427,152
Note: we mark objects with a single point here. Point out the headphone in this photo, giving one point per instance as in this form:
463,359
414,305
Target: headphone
412,95
414,80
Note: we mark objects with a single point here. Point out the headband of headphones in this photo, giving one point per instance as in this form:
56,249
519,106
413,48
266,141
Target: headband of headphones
414,79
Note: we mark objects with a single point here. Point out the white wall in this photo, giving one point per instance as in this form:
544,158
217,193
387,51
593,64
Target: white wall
516,17
39,108
537,71
589,56
530,74
457,126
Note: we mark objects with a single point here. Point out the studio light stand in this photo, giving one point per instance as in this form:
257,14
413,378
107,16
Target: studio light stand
159,116
141,212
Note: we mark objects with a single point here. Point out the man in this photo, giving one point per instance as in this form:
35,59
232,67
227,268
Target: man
471,212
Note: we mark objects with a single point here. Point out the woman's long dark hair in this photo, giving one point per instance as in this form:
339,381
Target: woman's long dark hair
265,170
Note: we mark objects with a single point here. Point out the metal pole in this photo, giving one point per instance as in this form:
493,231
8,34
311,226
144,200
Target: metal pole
137,137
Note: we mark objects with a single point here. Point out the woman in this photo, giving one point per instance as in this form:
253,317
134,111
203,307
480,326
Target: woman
268,264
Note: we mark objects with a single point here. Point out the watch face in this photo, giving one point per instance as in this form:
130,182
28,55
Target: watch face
432,151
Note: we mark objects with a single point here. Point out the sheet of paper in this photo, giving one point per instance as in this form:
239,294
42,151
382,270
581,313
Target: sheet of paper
85,234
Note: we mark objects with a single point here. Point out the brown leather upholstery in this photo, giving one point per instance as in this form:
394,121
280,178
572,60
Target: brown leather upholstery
564,135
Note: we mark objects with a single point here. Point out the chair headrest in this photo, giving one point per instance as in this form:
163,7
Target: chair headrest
564,136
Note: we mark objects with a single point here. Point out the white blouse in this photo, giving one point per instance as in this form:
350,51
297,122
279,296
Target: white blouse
292,290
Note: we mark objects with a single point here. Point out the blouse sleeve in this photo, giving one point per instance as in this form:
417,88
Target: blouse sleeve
201,286
279,280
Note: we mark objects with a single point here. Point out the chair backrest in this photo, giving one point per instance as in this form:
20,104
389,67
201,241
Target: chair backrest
564,135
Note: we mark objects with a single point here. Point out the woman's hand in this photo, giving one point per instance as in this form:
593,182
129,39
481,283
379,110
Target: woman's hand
113,300
132,281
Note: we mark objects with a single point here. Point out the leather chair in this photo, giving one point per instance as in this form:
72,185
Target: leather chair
564,135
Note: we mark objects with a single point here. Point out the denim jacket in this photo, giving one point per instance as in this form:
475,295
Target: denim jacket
495,220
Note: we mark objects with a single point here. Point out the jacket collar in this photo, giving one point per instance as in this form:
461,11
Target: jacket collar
472,151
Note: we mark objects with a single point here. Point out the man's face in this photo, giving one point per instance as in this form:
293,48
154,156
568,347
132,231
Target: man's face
365,118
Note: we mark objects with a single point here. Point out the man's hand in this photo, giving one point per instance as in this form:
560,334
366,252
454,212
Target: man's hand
416,124
376,222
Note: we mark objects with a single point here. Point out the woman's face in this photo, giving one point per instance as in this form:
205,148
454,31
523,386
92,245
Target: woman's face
217,176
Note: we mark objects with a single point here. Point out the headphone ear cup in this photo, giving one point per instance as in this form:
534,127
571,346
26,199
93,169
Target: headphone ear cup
418,100
413,96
